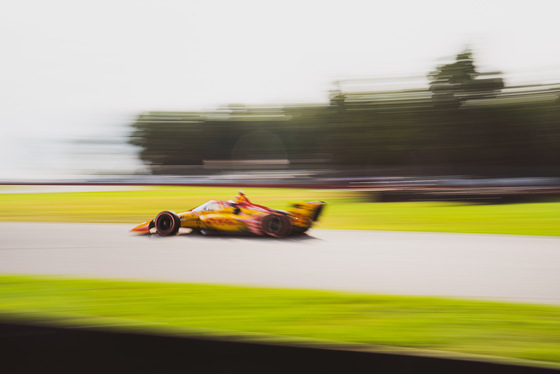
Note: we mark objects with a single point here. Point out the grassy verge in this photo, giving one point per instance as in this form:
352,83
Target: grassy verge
490,328
345,210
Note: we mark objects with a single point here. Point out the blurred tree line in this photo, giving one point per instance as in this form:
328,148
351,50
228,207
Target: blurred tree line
465,122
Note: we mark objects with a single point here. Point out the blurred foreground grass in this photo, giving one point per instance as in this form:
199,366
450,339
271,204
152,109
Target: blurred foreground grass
345,210
520,331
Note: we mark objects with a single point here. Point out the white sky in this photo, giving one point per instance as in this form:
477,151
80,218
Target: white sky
77,68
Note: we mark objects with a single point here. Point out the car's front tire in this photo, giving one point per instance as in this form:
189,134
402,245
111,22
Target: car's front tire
167,223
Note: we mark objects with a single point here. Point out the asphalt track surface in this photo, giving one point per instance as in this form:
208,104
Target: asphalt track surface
498,267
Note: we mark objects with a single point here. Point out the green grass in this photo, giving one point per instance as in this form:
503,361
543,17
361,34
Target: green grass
510,330
345,210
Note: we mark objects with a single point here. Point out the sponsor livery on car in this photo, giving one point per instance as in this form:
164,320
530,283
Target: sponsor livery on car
237,216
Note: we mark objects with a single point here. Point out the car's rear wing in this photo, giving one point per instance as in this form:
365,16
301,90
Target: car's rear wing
309,209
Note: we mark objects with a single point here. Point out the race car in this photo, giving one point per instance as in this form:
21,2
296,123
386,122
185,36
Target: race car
237,216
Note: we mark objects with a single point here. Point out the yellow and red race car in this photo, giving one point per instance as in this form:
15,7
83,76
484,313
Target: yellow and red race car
237,216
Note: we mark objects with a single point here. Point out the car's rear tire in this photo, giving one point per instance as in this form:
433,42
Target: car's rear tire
276,225
167,223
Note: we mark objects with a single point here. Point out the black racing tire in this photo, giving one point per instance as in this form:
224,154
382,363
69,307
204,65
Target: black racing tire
167,223
276,225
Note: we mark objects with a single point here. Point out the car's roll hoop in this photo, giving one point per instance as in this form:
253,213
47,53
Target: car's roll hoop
241,198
